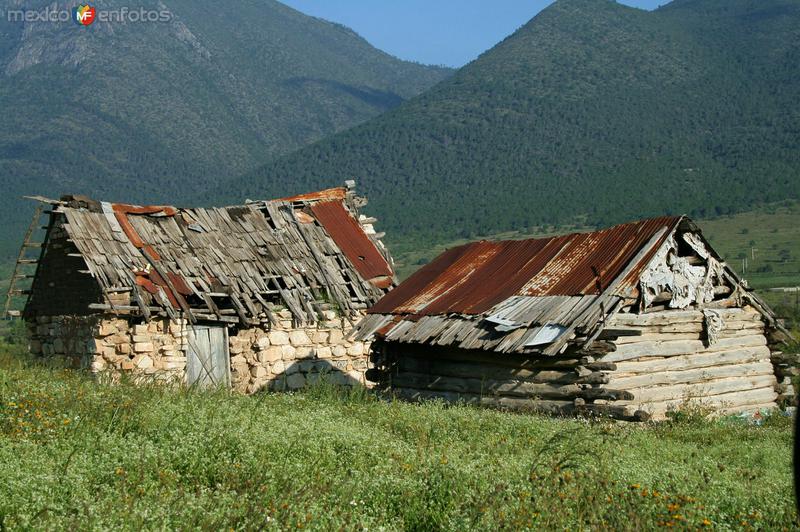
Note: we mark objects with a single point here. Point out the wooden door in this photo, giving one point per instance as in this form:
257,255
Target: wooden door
207,359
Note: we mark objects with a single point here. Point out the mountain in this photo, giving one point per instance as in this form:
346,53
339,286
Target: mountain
592,111
149,111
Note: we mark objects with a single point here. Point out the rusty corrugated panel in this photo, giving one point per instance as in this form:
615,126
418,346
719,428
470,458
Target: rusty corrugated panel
446,290
471,279
418,282
497,272
329,194
348,234
599,257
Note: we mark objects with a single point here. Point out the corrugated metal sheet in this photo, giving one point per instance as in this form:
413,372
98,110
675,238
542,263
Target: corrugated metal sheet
351,239
606,253
471,279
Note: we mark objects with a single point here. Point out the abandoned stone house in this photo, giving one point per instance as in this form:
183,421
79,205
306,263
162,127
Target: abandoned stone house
252,296
629,322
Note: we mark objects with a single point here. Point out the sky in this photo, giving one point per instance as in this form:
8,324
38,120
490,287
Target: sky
434,32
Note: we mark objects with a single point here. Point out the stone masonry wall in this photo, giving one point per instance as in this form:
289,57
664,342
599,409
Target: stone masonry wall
112,345
276,357
284,357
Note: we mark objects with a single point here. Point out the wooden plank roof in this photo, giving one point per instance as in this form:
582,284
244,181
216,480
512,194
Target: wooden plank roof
233,263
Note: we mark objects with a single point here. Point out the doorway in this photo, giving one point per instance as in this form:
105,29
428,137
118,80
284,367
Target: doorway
207,358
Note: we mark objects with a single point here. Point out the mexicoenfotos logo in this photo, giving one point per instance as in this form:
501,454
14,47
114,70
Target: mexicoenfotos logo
83,14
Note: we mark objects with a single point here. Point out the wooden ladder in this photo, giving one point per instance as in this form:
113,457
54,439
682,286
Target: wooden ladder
23,263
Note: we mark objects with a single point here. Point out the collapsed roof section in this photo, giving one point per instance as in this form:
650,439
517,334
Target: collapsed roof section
232,264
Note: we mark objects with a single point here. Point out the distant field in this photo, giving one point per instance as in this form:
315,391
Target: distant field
78,454
763,245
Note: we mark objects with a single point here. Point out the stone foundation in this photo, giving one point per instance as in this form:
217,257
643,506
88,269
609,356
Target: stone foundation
275,357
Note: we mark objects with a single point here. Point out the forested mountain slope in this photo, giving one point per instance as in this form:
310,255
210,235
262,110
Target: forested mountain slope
592,111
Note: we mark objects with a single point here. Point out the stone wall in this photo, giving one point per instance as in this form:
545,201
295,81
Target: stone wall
111,345
285,357
62,341
276,357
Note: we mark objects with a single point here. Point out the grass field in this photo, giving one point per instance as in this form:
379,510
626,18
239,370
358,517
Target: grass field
78,454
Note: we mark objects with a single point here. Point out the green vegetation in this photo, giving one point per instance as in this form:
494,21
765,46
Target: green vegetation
787,306
154,112
75,453
592,111
762,245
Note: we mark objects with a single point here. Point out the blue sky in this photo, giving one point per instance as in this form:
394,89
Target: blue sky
440,32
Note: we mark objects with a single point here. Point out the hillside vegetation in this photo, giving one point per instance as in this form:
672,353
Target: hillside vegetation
762,245
77,454
154,112
592,112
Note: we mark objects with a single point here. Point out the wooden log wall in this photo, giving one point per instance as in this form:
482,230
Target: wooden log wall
647,365
671,363
574,383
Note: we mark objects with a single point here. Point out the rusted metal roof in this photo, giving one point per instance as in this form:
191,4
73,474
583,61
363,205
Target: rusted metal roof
353,241
472,278
519,296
